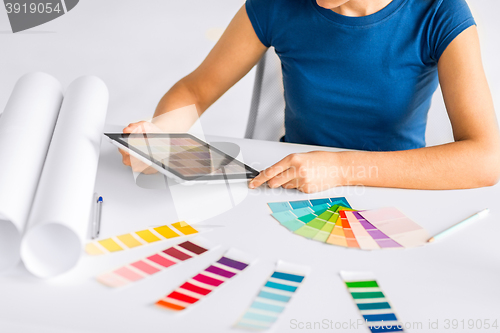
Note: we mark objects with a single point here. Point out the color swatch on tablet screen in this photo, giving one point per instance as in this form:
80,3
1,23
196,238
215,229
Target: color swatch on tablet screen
184,155
207,281
153,264
273,297
371,302
139,238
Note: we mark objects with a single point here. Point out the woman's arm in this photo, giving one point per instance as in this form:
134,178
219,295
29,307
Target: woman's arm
473,160
234,55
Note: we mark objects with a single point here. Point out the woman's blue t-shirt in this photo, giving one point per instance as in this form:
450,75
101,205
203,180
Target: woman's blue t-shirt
359,82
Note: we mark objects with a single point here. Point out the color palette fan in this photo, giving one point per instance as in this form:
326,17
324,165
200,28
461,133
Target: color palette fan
333,221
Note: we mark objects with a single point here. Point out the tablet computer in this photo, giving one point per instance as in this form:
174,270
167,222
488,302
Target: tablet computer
182,156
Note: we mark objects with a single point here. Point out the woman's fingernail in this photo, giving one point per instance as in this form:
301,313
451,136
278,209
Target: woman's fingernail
251,185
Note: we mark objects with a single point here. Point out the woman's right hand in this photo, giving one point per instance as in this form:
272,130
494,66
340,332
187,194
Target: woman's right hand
131,161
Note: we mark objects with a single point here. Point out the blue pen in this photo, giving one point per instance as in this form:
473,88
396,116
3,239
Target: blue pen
97,221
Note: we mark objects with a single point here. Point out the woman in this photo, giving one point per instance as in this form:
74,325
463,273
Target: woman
360,74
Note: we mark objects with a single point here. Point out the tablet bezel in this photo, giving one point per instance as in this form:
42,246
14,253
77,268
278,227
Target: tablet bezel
251,173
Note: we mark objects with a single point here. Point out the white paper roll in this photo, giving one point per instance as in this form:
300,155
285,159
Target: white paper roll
26,127
63,203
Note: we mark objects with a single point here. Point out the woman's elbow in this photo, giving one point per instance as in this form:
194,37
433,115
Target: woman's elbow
490,179
489,170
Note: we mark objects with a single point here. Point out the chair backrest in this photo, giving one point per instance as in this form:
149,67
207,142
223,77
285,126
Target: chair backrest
267,111
439,129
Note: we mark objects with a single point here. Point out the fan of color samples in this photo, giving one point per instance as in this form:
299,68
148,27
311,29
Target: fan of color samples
334,221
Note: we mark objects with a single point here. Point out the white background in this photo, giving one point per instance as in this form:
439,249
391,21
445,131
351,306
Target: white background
139,48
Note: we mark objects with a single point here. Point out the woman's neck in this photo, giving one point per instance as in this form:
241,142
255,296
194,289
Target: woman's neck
361,7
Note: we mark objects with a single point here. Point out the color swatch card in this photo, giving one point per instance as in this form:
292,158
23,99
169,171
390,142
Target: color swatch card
382,240
206,282
139,238
349,234
289,205
364,239
295,219
371,302
313,227
335,222
298,222
273,297
288,215
327,228
140,269
338,236
397,226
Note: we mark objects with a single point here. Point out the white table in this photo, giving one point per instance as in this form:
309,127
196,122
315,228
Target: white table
456,278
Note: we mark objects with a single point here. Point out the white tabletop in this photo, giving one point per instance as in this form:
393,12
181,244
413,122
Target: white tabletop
456,278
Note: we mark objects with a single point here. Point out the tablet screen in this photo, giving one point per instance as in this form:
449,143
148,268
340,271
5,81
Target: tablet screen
185,156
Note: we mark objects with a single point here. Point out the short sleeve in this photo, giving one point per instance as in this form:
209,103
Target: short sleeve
260,13
450,19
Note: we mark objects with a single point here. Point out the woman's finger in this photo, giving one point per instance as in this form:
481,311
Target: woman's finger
125,157
149,171
123,152
270,172
282,178
294,183
135,127
311,188
136,164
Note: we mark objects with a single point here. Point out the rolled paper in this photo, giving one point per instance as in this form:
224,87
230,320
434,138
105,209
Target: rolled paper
61,210
26,127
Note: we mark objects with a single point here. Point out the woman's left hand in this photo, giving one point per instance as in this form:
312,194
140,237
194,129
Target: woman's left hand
308,172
